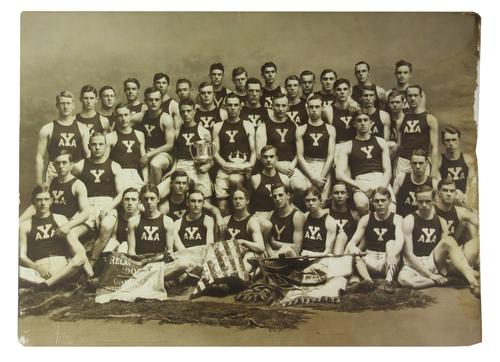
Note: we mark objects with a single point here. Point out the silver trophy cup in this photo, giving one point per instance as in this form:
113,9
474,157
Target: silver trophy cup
202,151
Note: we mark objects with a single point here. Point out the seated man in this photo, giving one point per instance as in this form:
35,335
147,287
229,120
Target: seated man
195,227
287,225
428,249
43,256
319,228
459,220
382,235
150,231
345,218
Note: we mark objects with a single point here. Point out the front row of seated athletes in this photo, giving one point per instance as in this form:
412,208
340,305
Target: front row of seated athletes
425,246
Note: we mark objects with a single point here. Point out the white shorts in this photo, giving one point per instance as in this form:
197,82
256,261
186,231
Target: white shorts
428,263
373,180
131,178
221,186
96,204
316,166
52,264
202,180
375,261
115,245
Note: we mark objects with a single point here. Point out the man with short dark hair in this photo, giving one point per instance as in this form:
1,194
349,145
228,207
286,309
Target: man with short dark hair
131,88
240,77
403,73
307,80
345,218
268,71
208,113
327,78
252,110
107,96
216,74
297,109
89,116
381,121
183,89
168,105
362,72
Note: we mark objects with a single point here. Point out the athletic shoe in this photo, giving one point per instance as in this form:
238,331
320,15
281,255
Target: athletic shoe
366,286
389,287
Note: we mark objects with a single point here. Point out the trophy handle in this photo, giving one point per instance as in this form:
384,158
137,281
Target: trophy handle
191,151
211,149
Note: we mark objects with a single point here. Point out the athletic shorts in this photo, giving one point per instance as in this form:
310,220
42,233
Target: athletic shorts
375,261
202,180
428,263
315,166
221,186
115,245
373,180
130,178
96,204
52,263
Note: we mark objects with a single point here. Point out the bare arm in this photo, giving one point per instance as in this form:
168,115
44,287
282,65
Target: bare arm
386,161
178,245
209,224
41,149
408,224
353,244
132,224
434,143
386,121
167,126
80,191
327,167
168,223
299,133
215,135
398,233
251,141
24,260
257,242
298,231
260,139
142,150
398,182
467,216
84,131
342,166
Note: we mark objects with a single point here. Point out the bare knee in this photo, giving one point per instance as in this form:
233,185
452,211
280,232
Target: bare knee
362,203
236,180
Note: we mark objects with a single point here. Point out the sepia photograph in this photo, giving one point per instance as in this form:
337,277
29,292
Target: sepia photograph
249,179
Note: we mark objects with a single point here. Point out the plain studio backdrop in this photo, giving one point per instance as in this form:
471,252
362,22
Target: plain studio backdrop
64,51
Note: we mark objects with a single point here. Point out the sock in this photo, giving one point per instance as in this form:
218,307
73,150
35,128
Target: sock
390,271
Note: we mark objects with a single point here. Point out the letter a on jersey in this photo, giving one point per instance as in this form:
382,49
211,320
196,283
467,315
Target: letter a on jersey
428,236
67,140
413,126
44,232
192,233
150,233
455,173
313,233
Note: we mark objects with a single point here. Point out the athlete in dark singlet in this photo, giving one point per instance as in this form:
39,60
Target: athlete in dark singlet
175,206
208,113
131,88
345,218
216,74
362,72
94,121
428,248
239,76
307,80
62,134
381,121
252,111
107,96
150,231
297,108
268,72
327,79
161,81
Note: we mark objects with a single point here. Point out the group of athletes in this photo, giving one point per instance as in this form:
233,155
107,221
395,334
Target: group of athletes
348,169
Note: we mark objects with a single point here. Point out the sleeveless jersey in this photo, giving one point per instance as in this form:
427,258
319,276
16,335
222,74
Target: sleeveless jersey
426,234
66,138
406,201
208,118
266,99
220,95
193,233
451,218
261,196
298,113
98,178
111,119
282,229
136,109
415,133
187,137
379,232
93,123
237,229
377,128
342,121
328,99
42,241
254,115
233,141
315,233
127,150
345,222
150,235
456,170
315,140
165,106
64,202
365,157
150,126
357,95
282,136
176,211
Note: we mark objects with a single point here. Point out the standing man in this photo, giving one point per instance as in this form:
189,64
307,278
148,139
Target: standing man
43,254
327,78
457,220
159,130
315,152
131,88
458,166
307,80
406,185
240,77
63,133
107,95
94,121
319,227
345,218
339,114
195,227
419,129
362,72
381,121
403,72
208,113
190,133
297,110
395,103
150,231
268,71
168,105
127,147
429,250
279,131
364,163
216,74
287,225
234,141
252,110
183,88
382,233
